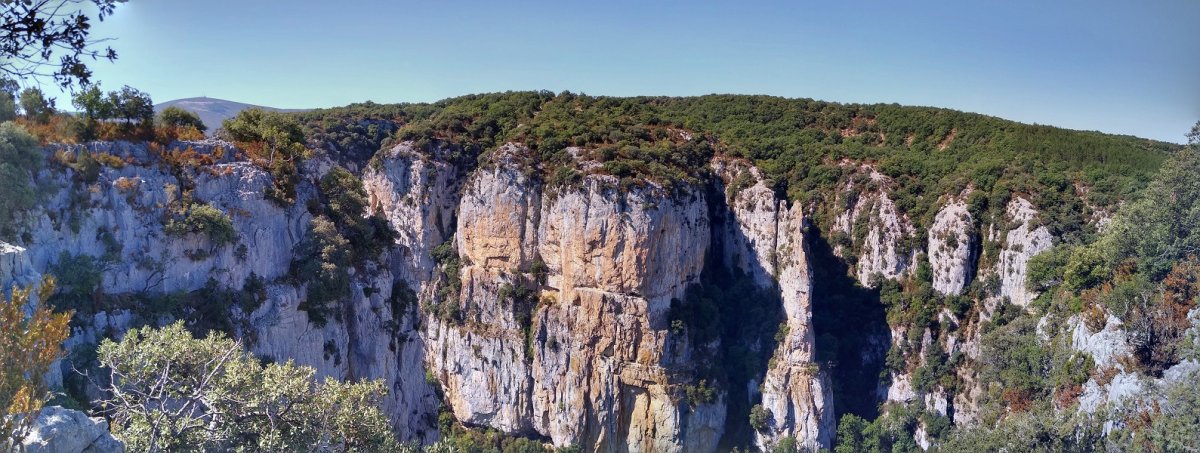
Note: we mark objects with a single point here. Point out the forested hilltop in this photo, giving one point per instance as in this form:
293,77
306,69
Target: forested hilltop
800,144
527,270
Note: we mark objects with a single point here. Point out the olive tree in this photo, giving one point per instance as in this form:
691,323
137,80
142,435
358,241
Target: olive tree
173,392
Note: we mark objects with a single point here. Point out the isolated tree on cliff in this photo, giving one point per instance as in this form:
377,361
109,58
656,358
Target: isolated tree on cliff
173,392
29,344
52,39
274,141
176,117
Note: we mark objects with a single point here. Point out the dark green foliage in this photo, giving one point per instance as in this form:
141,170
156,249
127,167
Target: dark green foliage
93,104
1042,429
346,204
798,143
1015,362
78,280
1045,270
273,141
352,134
890,433
8,107
402,298
87,169
522,298
760,418
322,261
203,218
35,105
461,439
130,109
699,313
938,370
132,105
19,158
445,305
176,117
1139,267
1163,225
341,236
700,393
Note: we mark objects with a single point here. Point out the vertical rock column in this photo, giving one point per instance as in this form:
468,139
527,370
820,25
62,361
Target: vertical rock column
766,242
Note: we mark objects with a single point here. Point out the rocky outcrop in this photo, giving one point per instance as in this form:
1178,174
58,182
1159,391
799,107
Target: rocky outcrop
1115,383
59,430
1021,243
875,228
952,248
418,194
15,268
119,220
766,241
594,364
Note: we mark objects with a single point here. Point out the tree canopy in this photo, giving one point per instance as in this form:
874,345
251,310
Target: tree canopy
173,392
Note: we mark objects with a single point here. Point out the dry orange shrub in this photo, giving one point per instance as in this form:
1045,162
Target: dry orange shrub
125,184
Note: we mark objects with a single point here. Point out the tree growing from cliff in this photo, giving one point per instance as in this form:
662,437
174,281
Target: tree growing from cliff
52,38
173,392
29,344
273,141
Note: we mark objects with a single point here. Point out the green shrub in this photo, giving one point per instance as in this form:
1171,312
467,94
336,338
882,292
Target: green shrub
322,262
760,418
204,219
176,117
19,158
700,393
240,403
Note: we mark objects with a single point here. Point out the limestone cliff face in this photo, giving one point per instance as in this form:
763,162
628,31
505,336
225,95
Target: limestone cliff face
15,268
875,227
119,220
419,196
595,363
560,326
1021,243
767,242
952,240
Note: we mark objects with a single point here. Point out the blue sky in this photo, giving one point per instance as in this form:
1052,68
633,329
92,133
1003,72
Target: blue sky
1115,66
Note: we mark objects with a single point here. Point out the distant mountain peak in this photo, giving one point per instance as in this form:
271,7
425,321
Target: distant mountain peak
213,111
